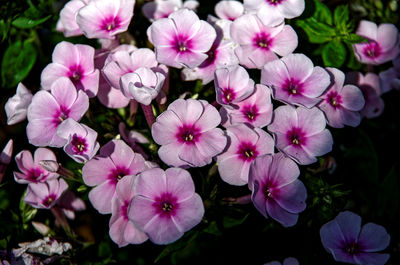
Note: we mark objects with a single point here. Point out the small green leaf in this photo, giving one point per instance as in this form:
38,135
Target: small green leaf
177,245
341,17
353,39
322,13
213,229
229,222
27,23
27,211
316,31
334,54
4,28
82,188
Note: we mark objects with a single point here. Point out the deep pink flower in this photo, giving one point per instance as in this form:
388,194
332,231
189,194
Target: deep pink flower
17,106
182,39
295,80
81,144
31,170
276,191
260,43
48,110
230,10
67,23
165,204
390,78
163,8
116,160
341,103
255,110
187,133
382,45
5,157
300,133
104,19
245,145
45,195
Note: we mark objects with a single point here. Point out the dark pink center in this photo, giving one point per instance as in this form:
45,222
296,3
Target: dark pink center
250,112
181,44
124,210
110,23
36,175
268,190
188,134
61,115
296,137
78,144
118,173
274,2
76,74
334,99
247,151
352,248
262,40
372,50
228,95
166,205
49,200
293,87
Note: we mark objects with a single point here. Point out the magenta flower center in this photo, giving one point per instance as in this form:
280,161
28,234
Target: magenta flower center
188,134
334,99
250,112
124,210
228,95
268,189
166,205
49,200
118,173
36,175
274,2
293,87
247,151
78,144
372,50
262,40
296,137
110,23
75,74
61,115
182,44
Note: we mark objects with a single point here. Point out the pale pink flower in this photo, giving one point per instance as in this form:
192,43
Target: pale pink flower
341,103
122,230
45,195
48,110
230,10
390,78
276,191
245,144
300,133
16,107
382,43
165,204
295,80
187,133
182,39
67,23
31,170
260,43
5,157
163,8
69,204
75,62
81,144
116,160
104,19
255,110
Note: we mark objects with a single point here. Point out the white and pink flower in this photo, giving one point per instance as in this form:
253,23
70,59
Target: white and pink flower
45,195
17,106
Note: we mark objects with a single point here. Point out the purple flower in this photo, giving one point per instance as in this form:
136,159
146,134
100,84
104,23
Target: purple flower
75,62
382,45
260,43
287,261
67,23
45,195
295,80
230,10
48,110
300,133
348,242
341,104
390,78
122,230
276,191
245,144
163,8
182,39
16,107
31,170
5,157
104,19
69,203
116,160
187,133
165,204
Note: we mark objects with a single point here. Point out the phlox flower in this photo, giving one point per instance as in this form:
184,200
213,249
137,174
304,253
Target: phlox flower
116,160
187,133
5,157
67,23
382,43
182,39
16,107
81,144
255,110
104,19
348,242
165,204
245,144
287,261
44,195
276,191
229,10
76,62
341,103
69,204
163,8
300,133
260,43
48,110
295,80
31,170
390,78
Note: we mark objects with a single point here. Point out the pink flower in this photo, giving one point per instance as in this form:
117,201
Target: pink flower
182,39
382,45
5,157
187,133
67,20
295,80
122,230
69,204
390,78
116,160
230,10
341,104
45,195
104,19
163,8
287,261
300,133
31,170
245,145
75,62
48,110
255,110
81,144
260,43
17,106
276,191
165,204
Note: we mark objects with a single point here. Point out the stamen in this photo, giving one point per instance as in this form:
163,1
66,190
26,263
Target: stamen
249,153
182,48
295,141
262,44
167,207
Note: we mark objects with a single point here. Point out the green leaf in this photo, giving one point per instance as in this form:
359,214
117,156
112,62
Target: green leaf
4,28
27,23
229,222
341,17
353,39
177,245
316,31
334,54
17,62
213,229
27,211
322,13
389,195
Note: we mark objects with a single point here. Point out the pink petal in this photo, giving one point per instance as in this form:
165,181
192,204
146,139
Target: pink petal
279,214
367,29
316,83
353,98
204,37
169,154
179,183
319,144
191,212
166,127
285,42
190,154
312,121
66,54
299,66
292,197
212,143
151,183
101,196
285,118
189,111
95,171
274,74
51,73
230,168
